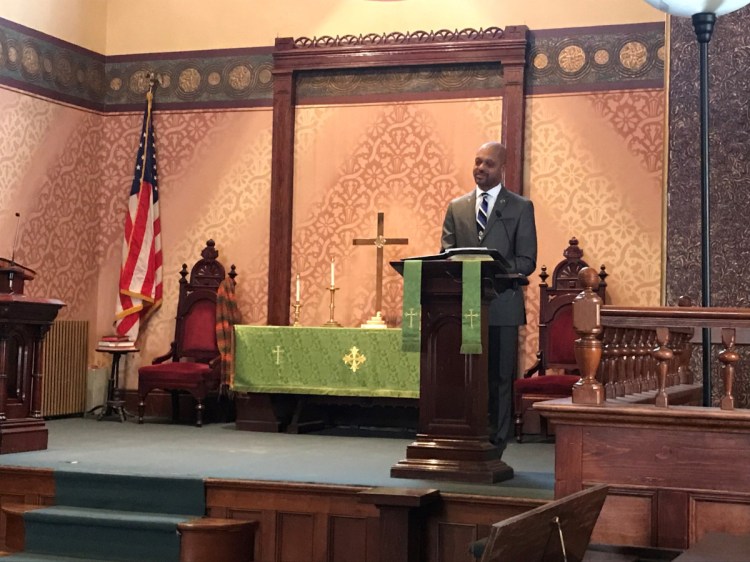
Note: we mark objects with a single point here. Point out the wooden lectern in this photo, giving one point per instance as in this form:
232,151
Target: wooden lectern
24,321
453,440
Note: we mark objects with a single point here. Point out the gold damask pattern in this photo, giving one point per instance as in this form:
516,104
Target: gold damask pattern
59,234
577,192
225,209
24,124
71,232
639,118
399,163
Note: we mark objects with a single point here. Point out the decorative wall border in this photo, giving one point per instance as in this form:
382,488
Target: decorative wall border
613,57
597,58
44,65
195,79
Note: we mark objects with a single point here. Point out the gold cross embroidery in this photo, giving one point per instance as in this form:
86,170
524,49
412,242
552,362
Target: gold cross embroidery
277,352
354,359
411,314
471,315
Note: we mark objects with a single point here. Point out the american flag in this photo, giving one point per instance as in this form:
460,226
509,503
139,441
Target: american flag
141,271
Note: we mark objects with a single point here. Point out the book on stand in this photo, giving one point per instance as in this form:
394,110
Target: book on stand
115,342
114,338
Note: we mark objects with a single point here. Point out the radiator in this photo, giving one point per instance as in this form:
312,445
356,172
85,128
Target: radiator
64,367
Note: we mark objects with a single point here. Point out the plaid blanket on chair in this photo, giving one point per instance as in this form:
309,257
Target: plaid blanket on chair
227,315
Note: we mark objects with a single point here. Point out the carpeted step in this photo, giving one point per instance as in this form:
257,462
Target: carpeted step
28,557
200,539
101,534
130,492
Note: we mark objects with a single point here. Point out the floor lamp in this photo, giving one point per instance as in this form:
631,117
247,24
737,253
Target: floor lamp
703,13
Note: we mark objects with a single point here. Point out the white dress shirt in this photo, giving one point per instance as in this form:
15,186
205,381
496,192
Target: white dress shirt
493,195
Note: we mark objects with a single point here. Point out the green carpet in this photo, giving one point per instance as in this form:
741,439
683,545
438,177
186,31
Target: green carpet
130,492
220,451
99,534
113,517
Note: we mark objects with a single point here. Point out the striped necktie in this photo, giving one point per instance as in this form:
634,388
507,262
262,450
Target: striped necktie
482,215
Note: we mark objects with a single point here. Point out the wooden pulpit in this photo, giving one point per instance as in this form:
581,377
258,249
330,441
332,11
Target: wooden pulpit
453,441
24,321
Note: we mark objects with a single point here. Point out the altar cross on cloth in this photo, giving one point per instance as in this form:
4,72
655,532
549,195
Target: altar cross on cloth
380,241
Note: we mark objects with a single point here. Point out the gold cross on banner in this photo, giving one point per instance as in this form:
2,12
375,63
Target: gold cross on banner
380,241
411,315
471,315
354,359
277,352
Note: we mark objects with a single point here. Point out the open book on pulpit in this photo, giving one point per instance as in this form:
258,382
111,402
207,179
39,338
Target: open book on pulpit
465,254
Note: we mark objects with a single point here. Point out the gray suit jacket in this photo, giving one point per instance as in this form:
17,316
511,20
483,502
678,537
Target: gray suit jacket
511,230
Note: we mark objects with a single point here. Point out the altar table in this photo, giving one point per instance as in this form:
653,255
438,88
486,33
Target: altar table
324,361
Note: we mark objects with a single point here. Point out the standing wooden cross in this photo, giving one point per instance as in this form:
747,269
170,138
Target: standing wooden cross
380,241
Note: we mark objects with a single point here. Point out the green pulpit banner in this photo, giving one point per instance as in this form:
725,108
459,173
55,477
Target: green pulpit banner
411,322
329,361
471,307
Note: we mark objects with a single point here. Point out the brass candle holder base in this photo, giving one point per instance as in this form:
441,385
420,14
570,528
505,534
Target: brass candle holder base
331,322
297,305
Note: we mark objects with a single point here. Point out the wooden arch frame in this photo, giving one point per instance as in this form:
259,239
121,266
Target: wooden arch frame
507,47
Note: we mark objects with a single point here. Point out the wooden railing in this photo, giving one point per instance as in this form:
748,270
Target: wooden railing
627,365
629,349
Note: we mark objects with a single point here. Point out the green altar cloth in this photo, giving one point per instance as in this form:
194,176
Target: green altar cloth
332,361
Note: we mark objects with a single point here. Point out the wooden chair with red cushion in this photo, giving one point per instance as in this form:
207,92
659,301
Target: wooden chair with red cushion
556,338
192,364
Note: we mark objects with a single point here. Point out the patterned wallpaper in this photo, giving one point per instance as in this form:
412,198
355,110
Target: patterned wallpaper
729,178
409,159
67,170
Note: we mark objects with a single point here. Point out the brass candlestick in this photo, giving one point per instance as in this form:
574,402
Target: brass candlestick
297,305
331,322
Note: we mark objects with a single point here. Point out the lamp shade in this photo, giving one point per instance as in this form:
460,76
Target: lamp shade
689,7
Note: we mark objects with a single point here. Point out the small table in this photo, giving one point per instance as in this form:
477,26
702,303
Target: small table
114,403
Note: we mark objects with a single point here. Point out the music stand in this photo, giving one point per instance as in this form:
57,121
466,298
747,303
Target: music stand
558,531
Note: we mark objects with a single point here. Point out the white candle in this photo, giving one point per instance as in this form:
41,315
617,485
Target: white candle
298,287
333,284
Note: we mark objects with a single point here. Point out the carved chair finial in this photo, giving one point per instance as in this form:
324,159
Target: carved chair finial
544,275
573,251
210,252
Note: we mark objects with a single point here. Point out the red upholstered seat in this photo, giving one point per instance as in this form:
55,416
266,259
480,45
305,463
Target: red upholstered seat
548,384
556,338
176,373
192,364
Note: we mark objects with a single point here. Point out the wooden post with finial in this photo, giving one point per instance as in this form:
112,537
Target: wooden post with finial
663,355
588,347
728,357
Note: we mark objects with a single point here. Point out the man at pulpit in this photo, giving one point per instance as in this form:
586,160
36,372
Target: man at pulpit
490,216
